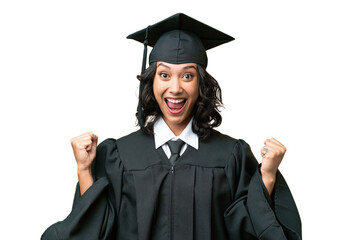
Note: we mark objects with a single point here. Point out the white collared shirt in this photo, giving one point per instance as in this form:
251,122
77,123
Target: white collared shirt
162,134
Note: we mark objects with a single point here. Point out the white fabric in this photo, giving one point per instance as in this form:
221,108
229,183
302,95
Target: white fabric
163,134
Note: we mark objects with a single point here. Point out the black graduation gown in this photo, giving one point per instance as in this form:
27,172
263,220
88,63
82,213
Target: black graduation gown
215,192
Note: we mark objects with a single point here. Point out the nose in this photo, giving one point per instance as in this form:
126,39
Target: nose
175,85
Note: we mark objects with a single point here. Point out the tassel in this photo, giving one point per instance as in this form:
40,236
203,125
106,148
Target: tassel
143,67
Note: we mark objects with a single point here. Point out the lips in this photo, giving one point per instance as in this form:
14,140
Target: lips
175,105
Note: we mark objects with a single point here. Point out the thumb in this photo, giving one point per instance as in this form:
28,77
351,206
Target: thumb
92,153
94,139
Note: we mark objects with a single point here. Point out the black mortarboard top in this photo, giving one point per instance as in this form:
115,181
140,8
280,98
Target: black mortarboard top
178,39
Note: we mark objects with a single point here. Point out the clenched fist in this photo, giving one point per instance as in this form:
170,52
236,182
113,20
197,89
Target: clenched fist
272,154
84,147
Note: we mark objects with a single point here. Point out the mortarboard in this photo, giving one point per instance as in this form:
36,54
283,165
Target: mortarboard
177,39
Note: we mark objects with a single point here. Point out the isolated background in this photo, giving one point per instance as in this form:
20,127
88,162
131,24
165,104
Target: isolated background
66,67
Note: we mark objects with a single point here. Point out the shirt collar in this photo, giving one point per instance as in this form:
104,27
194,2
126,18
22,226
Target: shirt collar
162,134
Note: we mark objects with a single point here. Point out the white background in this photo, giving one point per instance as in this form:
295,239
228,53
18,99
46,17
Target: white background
66,67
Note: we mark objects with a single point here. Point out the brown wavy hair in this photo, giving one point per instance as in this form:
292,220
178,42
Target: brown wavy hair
206,111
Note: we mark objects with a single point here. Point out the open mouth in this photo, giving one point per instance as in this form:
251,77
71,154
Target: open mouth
175,105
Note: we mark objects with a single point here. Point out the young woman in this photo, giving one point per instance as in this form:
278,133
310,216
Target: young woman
177,177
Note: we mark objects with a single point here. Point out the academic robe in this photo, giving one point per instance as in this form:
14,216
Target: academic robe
215,192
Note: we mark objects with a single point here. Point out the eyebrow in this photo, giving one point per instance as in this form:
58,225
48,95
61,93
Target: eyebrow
161,64
187,67
184,68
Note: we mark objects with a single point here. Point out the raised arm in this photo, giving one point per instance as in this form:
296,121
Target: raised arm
272,154
84,147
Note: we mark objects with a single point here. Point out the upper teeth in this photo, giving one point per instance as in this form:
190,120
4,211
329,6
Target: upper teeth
175,100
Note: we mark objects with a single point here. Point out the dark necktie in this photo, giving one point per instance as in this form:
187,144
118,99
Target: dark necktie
175,147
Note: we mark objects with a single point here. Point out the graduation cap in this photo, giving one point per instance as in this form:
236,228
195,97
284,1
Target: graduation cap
177,39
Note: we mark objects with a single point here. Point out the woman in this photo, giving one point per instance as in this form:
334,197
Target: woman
178,178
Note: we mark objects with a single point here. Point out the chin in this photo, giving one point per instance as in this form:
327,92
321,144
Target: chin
177,120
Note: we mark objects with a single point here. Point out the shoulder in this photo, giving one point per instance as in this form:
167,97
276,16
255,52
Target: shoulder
229,144
137,150
106,152
106,145
132,143
219,148
134,138
225,142
126,143
115,152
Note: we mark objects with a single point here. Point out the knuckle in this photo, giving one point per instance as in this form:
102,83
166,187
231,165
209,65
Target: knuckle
77,145
73,143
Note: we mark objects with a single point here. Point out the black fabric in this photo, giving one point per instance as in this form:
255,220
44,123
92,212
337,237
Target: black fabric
175,147
179,46
180,39
215,192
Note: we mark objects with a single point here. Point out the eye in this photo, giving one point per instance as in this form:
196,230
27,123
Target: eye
164,75
188,76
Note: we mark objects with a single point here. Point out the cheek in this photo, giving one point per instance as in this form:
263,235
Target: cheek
195,95
194,92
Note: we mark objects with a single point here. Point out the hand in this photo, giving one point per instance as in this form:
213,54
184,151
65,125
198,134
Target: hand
84,147
272,154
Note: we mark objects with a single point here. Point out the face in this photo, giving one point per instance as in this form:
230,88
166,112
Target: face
176,89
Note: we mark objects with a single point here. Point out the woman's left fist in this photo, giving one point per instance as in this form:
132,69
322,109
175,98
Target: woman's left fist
272,154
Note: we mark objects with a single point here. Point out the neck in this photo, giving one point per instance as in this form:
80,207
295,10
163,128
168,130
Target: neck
177,129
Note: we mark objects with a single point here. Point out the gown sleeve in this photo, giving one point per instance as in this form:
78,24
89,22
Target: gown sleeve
92,215
253,214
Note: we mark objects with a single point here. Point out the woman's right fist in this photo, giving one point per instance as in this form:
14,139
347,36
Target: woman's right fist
84,147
